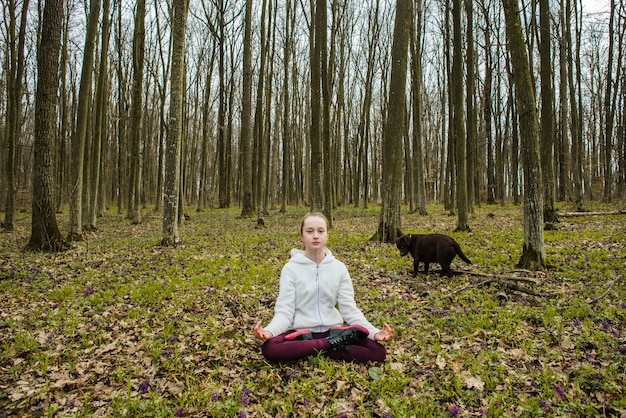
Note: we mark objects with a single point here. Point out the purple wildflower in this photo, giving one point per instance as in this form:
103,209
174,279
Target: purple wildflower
623,305
387,414
55,305
543,404
454,410
215,396
560,391
50,337
306,402
245,397
242,414
622,350
343,415
143,387
577,323
179,412
90,291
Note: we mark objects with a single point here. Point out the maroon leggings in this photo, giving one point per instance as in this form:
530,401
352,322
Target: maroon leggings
277,349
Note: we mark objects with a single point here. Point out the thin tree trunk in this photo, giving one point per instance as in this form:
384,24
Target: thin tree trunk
547,115
471,121
136,115
14,106
100,132
609,113
247,206
460,140
287,173
575,121
174,141
79,137
316,194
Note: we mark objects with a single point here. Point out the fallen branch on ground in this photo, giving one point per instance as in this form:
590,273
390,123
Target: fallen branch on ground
497,276
572,214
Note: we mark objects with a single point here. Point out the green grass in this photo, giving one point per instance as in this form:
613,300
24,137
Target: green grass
119,326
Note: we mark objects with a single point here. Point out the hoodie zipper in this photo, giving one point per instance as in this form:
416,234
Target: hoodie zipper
317,282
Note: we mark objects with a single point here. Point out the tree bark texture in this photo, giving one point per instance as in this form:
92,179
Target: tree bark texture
174,138
79,137
533,254
45,234
390,226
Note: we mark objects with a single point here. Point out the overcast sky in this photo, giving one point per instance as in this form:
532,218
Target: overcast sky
592,6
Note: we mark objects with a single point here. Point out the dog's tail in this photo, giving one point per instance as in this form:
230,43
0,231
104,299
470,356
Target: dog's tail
459,252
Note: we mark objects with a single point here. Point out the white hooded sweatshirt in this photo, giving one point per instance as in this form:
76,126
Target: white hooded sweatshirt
309,295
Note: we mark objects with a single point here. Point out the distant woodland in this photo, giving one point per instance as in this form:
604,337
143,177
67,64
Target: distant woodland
182,105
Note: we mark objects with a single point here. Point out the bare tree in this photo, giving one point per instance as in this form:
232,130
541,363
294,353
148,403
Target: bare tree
247,206
547,114
316,180
609,113
574,102
136,115
389,226
287,173
418,113
533,253
79,136
100,131
45,234
471,115
174,140
458,119
14,104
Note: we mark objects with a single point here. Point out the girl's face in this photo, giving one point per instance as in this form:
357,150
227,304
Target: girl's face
314,233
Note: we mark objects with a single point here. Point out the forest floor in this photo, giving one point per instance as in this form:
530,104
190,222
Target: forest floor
119,326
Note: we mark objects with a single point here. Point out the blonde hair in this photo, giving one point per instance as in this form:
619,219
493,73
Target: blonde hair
311,214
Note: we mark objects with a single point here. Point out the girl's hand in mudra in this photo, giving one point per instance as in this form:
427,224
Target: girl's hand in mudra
384,334
261,333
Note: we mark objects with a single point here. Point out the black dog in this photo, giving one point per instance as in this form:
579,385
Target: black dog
430,248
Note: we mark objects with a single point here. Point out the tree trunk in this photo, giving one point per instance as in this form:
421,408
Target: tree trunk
533,254
547,114
100,132
316,194
45,234
389,227
416,95
79,137
458,117
322,24
565,183
287,173
14,106
174,140
136,115
488,114
472,122
609,114
247,206
575,120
